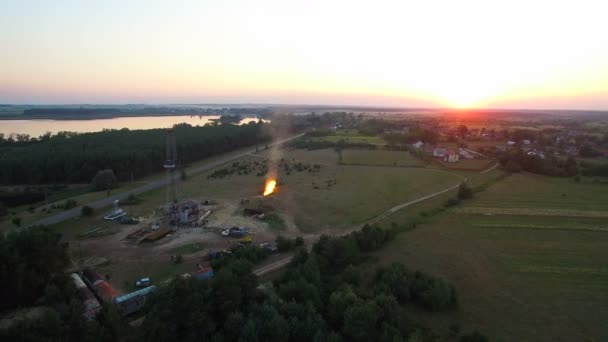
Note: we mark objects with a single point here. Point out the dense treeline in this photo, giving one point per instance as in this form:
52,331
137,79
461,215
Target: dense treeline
309,144
320,297
71,112
517,160
31,264
76,158
594,169
115,111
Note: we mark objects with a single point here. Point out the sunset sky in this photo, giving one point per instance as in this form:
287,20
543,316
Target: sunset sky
485,53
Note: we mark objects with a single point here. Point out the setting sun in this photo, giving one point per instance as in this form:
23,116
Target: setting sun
420,54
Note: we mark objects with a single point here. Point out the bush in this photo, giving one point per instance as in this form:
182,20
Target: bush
132,200
513,166
16,221
452,201
87,211
284,244
299,241
417,287
464,192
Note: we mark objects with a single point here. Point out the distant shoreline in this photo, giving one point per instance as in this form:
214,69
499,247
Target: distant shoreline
101,117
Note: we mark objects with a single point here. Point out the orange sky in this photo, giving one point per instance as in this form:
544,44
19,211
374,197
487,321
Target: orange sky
507,54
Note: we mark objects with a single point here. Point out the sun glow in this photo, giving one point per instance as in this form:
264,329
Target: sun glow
468,53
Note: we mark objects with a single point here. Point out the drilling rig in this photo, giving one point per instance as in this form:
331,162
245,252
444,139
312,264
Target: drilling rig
172,193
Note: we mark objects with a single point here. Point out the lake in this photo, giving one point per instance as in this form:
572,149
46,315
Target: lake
37,127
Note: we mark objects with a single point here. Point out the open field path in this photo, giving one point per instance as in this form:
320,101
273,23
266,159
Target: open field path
311,239
72,213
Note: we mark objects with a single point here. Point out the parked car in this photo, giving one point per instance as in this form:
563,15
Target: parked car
235,232
269,247
218,254
143,282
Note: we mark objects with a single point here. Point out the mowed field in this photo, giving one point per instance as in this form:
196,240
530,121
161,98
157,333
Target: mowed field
380,158
353,138
540,274
338,196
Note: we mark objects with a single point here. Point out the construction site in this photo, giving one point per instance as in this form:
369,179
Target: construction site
177,238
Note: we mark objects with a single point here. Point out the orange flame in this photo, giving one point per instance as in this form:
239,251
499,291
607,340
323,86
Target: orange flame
270,187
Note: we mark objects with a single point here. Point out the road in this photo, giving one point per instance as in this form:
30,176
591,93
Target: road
72,213
312,238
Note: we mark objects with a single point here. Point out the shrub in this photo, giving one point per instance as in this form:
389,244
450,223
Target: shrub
452,201
284,244
16,221
87,211
464,192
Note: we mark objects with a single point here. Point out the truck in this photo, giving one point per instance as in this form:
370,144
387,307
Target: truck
143,282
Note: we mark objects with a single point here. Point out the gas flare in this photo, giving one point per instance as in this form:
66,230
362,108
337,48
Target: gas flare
270,186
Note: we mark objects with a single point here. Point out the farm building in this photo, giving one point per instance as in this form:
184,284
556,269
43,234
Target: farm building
451,157
418,144
440,152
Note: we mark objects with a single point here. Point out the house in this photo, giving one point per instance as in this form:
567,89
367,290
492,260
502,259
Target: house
526,142
510,143
451,157
439,152
418,144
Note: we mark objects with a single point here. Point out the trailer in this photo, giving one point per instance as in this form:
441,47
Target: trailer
134,301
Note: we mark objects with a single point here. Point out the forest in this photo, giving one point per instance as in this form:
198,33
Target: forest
76,158
321,296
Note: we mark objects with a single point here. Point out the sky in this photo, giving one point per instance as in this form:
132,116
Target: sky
537,54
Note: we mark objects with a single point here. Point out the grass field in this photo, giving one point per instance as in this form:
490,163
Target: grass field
352,137
519,278
330,200
339,196
380,158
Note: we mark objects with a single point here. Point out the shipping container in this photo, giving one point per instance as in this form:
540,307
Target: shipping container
133,301
105,292
91,277
91,304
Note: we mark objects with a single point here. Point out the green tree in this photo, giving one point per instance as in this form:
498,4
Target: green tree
360,322
104,180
